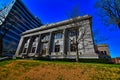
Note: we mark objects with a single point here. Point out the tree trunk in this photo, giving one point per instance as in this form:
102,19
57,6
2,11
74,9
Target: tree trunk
77,55
1,46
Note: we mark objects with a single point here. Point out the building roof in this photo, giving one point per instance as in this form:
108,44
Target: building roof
102,45
48,26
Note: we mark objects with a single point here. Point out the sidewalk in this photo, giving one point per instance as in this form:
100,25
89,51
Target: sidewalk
4,58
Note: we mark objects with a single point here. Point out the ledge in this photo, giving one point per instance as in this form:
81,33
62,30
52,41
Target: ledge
48,26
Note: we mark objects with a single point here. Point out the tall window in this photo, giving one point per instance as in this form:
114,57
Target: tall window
45,37
28,41
105,53
58,35
72,47
26,45
102,52
36,39
44,51
33,49
57,48
25,50
44,47
72,33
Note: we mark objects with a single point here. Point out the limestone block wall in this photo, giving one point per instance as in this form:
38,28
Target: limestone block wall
85,46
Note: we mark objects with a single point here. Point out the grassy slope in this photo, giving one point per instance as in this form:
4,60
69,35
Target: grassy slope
45,70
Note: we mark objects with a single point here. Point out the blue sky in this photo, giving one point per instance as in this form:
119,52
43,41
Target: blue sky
50,11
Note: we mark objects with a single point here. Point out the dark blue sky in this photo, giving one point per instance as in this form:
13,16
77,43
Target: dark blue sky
50,11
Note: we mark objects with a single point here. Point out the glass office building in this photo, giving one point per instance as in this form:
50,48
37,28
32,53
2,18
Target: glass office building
27,21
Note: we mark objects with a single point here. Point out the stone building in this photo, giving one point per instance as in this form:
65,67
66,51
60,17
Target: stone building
58,40
116,60
103,51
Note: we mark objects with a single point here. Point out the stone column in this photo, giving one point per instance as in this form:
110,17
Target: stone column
50,44
38,47
20,46
64,42
29,45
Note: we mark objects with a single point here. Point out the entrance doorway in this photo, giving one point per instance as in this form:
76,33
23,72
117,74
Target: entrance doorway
44,48
44,51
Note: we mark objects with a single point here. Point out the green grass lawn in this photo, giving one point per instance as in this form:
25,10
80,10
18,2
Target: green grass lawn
56,70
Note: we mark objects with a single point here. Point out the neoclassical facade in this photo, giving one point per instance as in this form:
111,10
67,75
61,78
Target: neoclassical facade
59,40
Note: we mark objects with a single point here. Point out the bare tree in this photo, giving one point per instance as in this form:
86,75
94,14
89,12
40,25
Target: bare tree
8,20
109,11
82,33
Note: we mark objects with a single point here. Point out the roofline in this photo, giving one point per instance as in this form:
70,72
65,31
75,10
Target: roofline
101,45
48,26
20,1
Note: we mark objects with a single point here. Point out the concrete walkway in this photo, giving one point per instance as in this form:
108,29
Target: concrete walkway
4,58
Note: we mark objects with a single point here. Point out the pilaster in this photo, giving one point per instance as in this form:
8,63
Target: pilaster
38,48
29,45
64,42
20,46
50,43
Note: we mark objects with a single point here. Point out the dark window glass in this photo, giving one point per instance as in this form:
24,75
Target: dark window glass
57,48
45,37
105,52
72,48
102,52
72,33
58,36
33,49
25,50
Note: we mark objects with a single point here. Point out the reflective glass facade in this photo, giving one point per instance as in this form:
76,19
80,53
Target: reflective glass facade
28,21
